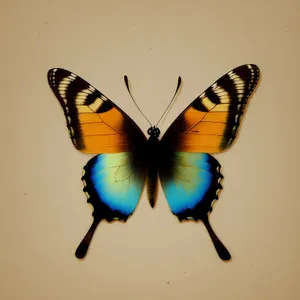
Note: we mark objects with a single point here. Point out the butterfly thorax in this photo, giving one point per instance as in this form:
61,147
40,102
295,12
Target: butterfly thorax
154,132
153,153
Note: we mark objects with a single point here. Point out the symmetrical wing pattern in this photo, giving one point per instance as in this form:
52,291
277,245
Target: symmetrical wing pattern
190,177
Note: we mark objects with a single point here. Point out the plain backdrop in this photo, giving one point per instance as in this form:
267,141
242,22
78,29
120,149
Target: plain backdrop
43,211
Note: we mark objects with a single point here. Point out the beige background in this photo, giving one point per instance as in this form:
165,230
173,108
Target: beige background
43,211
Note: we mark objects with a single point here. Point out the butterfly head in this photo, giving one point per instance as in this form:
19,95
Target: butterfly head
153,131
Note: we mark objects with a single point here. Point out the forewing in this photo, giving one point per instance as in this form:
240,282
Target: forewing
210,124
95,123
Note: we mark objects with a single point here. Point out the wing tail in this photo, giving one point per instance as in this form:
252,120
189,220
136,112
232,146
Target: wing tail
113,184
85,243
219,246
191,182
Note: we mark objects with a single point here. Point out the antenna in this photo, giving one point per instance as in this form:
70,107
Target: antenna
127,85
177,88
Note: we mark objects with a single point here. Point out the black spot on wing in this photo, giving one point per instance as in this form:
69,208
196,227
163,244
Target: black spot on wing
90,99
213,97
105,106
199,105
228,85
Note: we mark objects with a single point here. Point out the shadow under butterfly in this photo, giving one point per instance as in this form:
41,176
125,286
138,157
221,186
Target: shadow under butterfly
190,176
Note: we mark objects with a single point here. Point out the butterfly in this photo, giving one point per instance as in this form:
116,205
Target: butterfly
190,176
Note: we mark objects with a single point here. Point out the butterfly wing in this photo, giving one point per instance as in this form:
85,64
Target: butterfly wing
113,184
113,181
191,182
210,124
191,179
96,125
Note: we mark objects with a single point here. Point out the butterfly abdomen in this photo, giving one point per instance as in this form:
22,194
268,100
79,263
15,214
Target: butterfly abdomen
152,154
151,184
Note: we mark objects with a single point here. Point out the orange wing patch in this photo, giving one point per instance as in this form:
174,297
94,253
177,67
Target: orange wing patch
204,131
103,132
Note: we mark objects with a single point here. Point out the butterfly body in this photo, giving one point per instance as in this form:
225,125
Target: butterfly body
153,157
190,176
